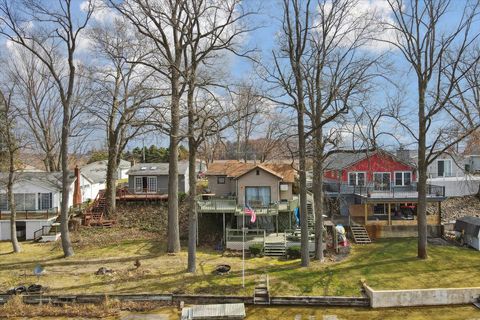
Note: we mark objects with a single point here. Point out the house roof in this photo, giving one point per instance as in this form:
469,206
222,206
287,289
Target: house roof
48,179
344,159
96,171
471,225
156,169
235,169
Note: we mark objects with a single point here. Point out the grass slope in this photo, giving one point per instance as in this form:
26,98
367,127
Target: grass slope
388,264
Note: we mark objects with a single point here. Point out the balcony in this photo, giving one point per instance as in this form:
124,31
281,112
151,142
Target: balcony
31,214
382,192
219,205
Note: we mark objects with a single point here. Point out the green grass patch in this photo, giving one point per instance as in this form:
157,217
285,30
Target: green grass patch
388,264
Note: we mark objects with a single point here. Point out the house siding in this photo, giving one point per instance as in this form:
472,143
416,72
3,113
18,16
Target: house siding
221,190
370,165
264,179
457,166
162,183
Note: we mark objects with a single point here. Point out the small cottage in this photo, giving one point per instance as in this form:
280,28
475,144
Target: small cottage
152,178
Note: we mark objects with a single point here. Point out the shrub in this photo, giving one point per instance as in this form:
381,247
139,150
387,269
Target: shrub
294,252
256,249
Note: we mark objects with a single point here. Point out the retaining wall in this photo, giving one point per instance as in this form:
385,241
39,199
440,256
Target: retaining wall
421,297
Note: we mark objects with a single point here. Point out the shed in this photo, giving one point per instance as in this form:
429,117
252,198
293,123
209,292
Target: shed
470,227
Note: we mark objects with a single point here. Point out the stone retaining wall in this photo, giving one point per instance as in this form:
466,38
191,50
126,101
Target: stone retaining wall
421,297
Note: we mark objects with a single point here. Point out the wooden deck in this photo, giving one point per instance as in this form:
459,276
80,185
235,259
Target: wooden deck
142,197
30,215
214,311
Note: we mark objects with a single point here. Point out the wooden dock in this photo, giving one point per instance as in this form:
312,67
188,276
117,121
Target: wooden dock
214,311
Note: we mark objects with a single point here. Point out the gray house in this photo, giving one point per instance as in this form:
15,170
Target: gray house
153,178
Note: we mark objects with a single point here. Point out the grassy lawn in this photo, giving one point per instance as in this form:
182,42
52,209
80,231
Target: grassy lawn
389,264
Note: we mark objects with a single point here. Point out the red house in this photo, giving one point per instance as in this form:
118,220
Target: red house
378,170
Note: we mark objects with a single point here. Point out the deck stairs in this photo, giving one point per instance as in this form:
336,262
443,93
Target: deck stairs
261,294
274,249
95,214
360,234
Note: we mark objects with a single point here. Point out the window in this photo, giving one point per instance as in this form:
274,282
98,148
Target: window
258,172
152,184
356,178
44,201
257,196
403,178
138,184
220,180
444,168
381,181
3,202
25,201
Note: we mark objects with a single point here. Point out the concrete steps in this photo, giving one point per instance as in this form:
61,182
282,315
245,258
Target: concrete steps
360,235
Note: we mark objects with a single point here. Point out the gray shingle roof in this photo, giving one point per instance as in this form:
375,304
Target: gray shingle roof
156,169
48,179
97,171
340,160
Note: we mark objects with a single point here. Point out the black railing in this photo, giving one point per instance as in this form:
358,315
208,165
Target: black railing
370,190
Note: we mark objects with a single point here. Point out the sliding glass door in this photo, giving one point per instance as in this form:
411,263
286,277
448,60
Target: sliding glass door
257,196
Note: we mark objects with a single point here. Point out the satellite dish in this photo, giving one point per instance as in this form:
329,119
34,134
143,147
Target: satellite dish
38,270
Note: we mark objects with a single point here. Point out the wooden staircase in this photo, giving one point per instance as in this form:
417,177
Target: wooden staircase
261,294
94,215
360,234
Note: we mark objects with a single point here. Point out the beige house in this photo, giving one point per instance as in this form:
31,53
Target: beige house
256,185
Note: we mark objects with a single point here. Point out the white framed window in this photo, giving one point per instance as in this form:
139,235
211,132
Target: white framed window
220,180
381,181
356,178
403,178
44,201
138,184
444,167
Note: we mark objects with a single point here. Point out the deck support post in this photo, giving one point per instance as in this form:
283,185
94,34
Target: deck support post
366,211
224,231
276,223
439,211
389,214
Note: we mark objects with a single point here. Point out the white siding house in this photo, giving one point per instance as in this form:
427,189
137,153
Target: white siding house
37,200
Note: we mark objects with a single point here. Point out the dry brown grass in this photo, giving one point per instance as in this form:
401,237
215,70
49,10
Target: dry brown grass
15,308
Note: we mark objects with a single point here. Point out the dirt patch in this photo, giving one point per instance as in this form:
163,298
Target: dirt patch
94,236
150,217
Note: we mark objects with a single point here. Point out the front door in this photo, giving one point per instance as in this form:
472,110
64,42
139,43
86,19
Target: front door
381,181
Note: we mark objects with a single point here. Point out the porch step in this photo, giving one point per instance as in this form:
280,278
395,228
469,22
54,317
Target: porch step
360,235
261,294
274,249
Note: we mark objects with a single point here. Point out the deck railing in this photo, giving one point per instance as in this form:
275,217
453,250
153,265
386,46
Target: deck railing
217,205
391,191
31,214
236,235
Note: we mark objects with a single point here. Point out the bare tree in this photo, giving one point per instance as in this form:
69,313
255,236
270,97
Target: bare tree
440,60
12,141
53,40
338,77
124,88
289,75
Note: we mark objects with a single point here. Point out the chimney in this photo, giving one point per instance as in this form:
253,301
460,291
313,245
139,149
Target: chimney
403,154
77,195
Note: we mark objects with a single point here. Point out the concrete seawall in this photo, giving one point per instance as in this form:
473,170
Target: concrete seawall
421,297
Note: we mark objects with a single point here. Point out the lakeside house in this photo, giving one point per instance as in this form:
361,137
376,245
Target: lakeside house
378,190
37,200
93,177
152,178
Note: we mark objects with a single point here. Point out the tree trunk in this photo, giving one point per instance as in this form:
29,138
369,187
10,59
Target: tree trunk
422,177
173,233
11,203
305,252
318,193
111,189
192,212
112,168
65,234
